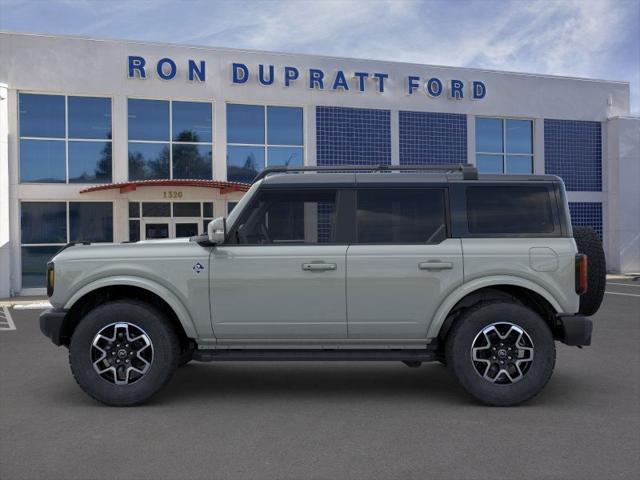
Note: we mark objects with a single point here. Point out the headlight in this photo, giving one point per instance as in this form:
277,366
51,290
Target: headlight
51,278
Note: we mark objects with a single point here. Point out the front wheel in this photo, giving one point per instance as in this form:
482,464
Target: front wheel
502,353
123,352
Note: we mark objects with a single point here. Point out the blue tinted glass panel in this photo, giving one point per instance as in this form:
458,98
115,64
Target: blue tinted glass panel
519,136
284,126
519,164
207,209
89,117
191,121
186,209
91,221
41,115
148,160
573,151
42,161
353,136
148,120
288,156
489,135
489,163
34,265
244,163
89,162
156,209
134,210
43,222
192,161
134,230
432,138
587,214
231,206
245,124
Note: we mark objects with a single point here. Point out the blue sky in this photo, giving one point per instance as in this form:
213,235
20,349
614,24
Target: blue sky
583,38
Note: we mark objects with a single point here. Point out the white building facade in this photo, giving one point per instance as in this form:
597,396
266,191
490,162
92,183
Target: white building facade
112,141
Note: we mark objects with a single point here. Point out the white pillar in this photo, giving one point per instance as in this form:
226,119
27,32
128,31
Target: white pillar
5,244
623,202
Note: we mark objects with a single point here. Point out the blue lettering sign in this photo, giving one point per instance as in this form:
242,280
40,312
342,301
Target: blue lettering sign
316,77
239,73
456,90
136,64
196,71
290,74
362,77
433,87
340,81
479,90
412,84
381,77
172,68
261,79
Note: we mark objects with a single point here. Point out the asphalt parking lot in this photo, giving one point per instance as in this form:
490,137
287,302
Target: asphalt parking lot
326,420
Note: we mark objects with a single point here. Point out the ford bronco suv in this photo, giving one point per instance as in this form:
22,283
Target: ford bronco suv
399,263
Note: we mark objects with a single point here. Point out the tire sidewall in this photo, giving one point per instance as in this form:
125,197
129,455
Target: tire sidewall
165,352
458,353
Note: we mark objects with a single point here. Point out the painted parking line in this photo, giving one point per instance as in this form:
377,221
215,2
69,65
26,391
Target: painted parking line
623,284
33,306
6,322
623,294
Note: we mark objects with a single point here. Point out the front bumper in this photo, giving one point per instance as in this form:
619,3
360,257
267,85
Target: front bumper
52,323
575,330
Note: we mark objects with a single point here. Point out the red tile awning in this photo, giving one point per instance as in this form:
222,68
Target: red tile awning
224,187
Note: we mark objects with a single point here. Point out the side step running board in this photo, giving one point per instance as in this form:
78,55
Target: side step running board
423,355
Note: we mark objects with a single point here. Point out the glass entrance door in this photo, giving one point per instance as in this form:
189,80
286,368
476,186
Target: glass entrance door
158,228
187,227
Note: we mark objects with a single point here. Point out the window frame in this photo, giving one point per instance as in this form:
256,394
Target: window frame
504,154
67,229
204,219
170,142
458,206
66,138
265,145
344,202
445,203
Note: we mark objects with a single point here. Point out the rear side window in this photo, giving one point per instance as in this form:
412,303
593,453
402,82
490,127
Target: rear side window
401,216
509,210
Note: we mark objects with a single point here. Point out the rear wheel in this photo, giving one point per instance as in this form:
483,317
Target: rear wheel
123,352
589,243
502,353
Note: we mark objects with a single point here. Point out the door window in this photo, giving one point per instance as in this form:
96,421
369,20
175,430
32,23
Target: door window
401,216
303,217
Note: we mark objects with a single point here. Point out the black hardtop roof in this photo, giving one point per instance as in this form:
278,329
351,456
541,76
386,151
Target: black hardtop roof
308,177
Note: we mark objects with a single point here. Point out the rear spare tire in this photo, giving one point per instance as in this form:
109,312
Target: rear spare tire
589,243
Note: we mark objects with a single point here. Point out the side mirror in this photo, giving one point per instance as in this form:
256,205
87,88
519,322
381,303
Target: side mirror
217,230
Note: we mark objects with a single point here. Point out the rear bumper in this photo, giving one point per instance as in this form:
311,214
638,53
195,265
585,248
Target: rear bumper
52,325
575,330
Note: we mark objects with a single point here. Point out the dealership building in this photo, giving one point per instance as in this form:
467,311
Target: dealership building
113,141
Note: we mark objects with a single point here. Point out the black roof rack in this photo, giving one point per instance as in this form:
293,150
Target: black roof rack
469,172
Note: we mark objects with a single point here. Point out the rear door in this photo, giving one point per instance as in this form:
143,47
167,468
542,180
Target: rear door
402,263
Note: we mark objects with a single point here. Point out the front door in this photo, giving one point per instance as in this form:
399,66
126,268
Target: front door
281,274
402,264
158,228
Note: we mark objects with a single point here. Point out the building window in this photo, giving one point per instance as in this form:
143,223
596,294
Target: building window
432,138
170,139
587,214
259,136
47,226
504,145
353,136
149,220
65,139
573,151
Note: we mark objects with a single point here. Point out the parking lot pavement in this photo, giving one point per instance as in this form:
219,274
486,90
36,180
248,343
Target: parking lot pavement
327,420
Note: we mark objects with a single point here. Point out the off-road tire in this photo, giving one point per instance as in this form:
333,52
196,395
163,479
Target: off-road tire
589,243
458,353
166,352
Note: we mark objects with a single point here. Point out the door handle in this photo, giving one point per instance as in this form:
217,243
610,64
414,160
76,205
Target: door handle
318,267
435,265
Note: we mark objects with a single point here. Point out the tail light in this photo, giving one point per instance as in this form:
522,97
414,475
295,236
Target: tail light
51,278
581,273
